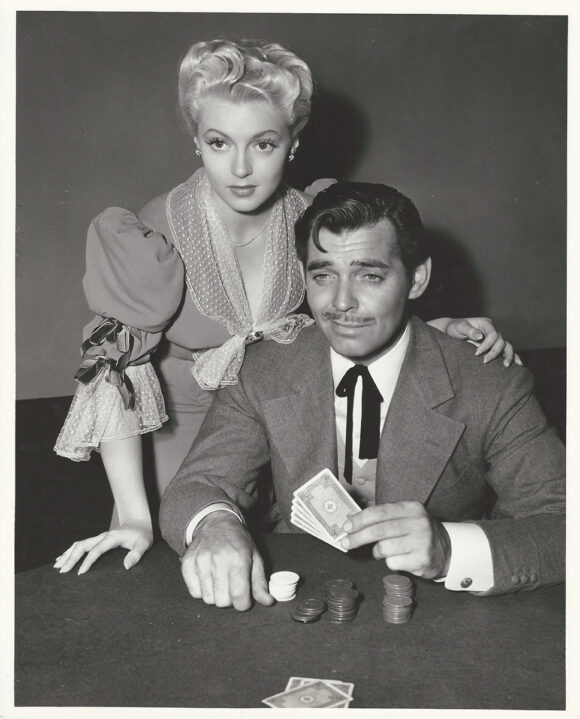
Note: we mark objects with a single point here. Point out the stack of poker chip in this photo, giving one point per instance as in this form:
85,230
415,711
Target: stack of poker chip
282,586
398,599
308,610
341,600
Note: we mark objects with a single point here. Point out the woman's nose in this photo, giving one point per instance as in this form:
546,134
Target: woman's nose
241,166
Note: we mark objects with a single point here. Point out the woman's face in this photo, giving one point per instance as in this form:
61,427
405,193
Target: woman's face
244,147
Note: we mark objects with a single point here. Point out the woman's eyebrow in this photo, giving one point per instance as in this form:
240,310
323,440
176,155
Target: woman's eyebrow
258,134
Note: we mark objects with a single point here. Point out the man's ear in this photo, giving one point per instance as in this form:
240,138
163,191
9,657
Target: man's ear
421,278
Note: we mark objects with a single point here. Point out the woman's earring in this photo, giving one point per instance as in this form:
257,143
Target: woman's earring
198,152
292,152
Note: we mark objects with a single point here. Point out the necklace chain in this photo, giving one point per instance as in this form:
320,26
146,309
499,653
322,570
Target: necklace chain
255,237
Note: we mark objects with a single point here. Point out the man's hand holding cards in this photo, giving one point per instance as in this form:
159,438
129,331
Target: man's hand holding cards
321,506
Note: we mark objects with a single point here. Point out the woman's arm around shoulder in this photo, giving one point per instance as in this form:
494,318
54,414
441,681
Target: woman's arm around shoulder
481,332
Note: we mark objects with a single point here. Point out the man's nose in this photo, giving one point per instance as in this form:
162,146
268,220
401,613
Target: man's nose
344,297
241,166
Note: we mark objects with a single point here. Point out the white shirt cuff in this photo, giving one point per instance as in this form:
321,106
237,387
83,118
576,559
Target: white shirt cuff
210,509
471,565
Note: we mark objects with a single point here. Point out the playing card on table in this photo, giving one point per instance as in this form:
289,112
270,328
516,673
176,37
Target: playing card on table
318,694
321,507
345,687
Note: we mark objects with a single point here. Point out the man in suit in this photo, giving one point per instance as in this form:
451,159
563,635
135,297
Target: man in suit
459,476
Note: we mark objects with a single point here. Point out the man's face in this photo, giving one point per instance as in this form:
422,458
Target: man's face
358,289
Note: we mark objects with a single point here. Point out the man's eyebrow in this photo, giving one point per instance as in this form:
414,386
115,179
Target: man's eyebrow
366,262
371,262
318,264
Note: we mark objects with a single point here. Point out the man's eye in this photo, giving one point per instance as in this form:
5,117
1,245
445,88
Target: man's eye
371,277
321,276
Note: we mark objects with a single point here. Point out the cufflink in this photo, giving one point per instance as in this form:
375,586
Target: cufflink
467,582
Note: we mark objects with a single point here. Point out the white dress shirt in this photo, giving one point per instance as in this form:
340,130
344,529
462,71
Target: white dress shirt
471,566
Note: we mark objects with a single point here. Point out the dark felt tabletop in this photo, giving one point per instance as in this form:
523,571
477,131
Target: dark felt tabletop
136,638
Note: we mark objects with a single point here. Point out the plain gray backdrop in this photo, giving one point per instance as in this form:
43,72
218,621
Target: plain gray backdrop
465,114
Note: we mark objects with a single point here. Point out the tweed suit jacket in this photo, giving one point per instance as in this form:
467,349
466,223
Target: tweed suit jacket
467,440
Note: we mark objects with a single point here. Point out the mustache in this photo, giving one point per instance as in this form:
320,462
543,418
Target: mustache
347,318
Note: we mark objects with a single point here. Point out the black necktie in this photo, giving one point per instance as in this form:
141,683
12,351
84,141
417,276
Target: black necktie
370,417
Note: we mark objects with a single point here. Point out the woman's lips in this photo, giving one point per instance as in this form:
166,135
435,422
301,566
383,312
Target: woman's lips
242,190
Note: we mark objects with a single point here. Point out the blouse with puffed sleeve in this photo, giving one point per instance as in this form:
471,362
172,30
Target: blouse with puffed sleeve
134,282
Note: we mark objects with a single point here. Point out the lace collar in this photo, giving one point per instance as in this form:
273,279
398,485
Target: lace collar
214,278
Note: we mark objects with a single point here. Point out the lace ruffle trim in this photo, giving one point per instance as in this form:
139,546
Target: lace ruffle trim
97,413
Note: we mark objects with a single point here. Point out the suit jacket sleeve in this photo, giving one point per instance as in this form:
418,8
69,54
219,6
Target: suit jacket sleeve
223,464
526,469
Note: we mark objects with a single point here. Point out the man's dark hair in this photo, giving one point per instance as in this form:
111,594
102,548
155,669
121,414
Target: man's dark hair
348,206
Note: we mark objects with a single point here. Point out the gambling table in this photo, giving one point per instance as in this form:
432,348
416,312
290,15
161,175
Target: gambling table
136,638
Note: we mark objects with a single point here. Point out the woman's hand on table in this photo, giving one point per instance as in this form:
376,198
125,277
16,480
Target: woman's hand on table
480,331
135,536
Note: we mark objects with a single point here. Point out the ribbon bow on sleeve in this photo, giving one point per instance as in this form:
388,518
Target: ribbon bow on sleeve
96,360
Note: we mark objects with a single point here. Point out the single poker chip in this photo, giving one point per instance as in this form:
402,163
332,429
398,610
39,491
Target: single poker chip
342,594
303,618
396,581
335,583
397,601
311,605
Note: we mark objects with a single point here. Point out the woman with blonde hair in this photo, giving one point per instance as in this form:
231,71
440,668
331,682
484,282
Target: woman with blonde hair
208,268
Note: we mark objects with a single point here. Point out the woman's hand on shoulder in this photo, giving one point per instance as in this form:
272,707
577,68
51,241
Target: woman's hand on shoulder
481,332
135,536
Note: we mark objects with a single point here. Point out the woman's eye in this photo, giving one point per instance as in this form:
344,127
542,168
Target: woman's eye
265,145
217,143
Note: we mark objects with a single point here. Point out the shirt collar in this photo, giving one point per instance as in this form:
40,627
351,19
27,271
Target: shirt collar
382,370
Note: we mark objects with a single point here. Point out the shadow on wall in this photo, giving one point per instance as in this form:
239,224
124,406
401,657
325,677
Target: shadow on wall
332,143
456,288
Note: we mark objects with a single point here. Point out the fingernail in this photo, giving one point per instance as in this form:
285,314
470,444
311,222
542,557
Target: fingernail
506,363
347,526
486,359
345,543
478,351
478,336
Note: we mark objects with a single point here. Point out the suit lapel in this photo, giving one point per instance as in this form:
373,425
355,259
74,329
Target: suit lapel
301,420
417,441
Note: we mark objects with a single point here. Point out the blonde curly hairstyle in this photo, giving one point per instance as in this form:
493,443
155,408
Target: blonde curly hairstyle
243,71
